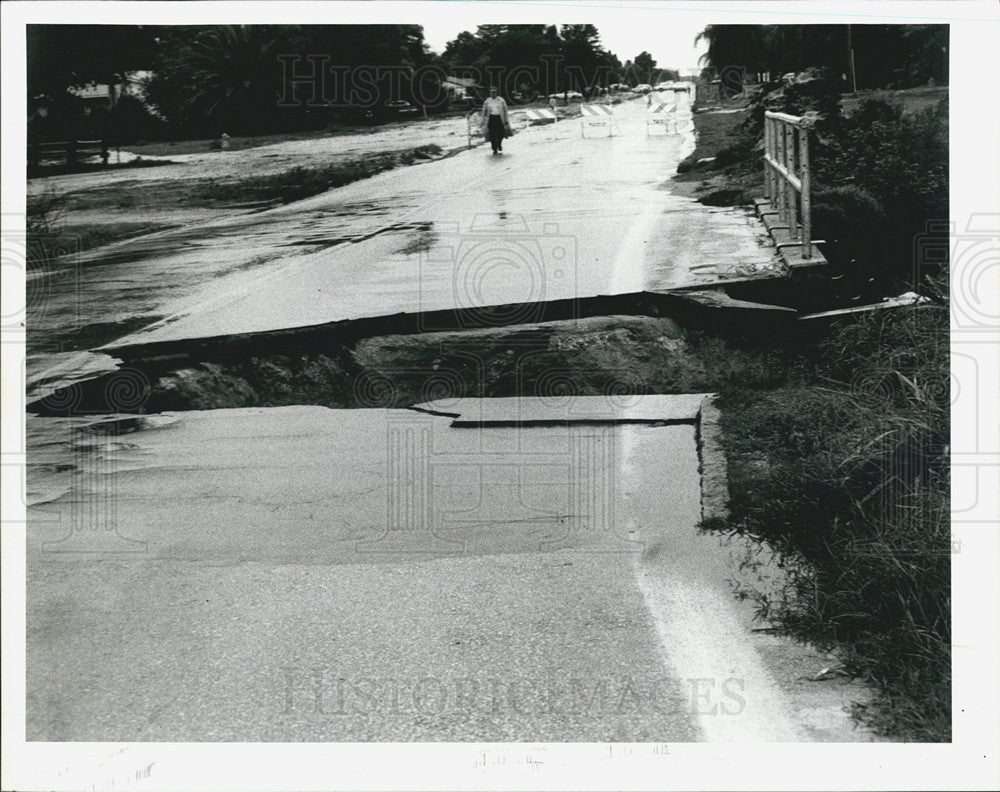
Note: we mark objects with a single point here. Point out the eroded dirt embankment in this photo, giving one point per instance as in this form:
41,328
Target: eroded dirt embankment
602,355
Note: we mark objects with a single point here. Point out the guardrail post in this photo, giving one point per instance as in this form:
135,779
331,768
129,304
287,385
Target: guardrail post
787,176
788,141
806,201
782,184
768,176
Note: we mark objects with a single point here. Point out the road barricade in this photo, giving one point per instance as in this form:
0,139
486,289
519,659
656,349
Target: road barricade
662,114
596,115
473,128
540,115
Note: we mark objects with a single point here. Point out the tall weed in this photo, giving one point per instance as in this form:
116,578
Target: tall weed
847,478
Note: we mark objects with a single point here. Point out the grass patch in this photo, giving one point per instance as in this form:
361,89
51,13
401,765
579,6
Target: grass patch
298,183
844,472
839,460
285,187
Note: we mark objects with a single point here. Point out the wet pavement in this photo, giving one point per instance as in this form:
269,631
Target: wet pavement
301,573
558,215
475,570
251,580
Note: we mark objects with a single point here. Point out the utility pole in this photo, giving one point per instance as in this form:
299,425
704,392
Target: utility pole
850,62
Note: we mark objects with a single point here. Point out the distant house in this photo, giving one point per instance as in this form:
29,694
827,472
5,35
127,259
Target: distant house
51,118
460,87
104,95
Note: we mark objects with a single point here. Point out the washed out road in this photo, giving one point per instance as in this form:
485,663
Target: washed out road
496,570
563,213
557,216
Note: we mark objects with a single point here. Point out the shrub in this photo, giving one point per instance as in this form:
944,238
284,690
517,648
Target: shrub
813,90
851,221
900,165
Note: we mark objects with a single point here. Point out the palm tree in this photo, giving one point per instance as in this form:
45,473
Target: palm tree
234,75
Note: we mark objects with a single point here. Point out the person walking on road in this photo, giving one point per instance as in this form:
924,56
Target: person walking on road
495,120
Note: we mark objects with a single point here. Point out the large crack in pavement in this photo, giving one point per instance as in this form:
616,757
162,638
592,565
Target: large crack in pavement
629,344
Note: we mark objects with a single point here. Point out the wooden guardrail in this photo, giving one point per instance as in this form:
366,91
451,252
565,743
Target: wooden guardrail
786,175
71,150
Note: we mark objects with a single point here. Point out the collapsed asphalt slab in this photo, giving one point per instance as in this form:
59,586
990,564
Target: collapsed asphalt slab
560,217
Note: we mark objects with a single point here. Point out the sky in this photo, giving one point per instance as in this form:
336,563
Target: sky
667,36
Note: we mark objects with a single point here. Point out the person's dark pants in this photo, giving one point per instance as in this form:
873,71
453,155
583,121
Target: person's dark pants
497,132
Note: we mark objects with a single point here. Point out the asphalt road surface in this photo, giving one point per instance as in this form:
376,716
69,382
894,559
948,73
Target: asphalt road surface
302,573
558,215
566,211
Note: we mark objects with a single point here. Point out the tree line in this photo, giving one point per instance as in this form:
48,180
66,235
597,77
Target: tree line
255,79
875,56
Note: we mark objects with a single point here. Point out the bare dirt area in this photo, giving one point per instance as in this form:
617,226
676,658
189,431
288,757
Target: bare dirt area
601,356
700,177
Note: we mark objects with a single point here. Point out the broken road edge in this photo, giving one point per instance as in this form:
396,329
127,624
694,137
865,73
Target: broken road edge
712,462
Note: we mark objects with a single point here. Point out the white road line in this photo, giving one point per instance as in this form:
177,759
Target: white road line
629,269
732,695
705,639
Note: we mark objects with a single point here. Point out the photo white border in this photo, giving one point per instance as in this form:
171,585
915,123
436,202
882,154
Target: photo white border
969,762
